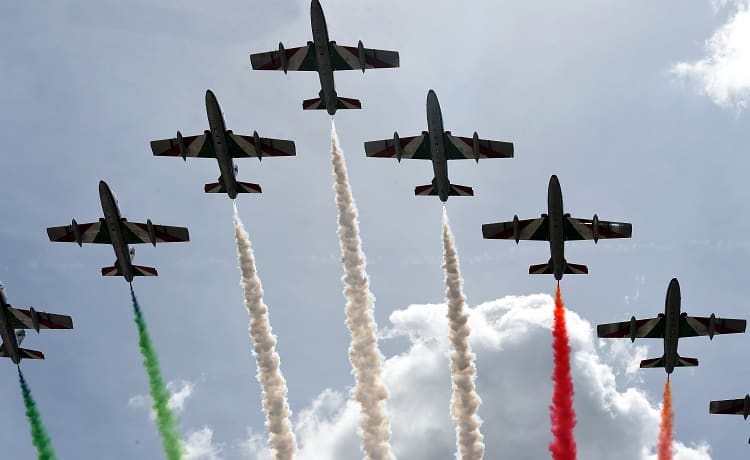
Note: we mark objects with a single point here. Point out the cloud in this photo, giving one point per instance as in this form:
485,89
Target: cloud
724,73
512,340
179,391
199,446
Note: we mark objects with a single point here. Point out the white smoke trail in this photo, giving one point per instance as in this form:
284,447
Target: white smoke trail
465,401
281,438
364,355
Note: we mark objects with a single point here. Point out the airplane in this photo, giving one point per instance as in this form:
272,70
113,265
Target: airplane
670,326
557,228
439,145
731,407
13,325
223,145
325,56
116,230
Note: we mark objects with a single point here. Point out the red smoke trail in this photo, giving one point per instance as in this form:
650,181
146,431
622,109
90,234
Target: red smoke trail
665,429
562,415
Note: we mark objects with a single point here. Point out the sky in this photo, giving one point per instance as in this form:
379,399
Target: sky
640,108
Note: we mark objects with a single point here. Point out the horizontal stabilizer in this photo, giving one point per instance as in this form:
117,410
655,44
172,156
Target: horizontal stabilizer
686,362
138,270
541,269
455,190
24,353
242,187
653,362
576,269
341,103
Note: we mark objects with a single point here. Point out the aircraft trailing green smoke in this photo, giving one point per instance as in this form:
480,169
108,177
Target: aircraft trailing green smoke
166,421
39,435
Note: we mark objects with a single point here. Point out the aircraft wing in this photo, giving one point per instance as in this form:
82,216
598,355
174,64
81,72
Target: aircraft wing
583,229
136,233
244,146
462,148
691,326
727,406
93,232
347,58
415,148
528,229
296,59
650,328
23,319
196,146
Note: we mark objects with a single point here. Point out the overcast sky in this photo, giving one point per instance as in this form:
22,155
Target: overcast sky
640,108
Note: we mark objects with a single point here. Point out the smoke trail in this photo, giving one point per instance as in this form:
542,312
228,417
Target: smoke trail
275,404
465,401
562,414
665,429
364,355
39,436
166,421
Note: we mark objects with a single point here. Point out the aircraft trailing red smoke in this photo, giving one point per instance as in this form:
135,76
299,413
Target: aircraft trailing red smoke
665,428
562,414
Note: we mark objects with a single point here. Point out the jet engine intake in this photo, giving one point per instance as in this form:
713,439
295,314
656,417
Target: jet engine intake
362,56
475,146
516,229
34,319
151,232
633,328
595,228
712,328
283,58
77,232
397,146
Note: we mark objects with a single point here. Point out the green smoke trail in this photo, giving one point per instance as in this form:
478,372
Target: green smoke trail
39,435
166,421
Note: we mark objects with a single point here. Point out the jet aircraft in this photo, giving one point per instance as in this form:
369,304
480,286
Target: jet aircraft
224,146
13,325
325,56
116,230
731,407
439,145
670,326
557,228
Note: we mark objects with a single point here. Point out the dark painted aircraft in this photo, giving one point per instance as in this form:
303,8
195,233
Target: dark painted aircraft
671,326
557,228
439,145
325,56
13,325
731,407
116,230
224,146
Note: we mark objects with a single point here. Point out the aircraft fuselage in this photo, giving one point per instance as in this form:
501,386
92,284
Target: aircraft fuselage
7,333
671,325
556,229
436,133
112,219
321,42
219,138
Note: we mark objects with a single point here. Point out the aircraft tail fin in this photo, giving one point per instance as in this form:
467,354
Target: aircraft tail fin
575,269
138,270
431,189
686,362
541,269
659,362
547,269
242,187
341,103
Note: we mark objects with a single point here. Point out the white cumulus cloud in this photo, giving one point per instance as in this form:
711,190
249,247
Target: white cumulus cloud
724,73
512,340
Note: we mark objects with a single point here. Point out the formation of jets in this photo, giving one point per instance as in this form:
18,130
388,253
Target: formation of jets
324,56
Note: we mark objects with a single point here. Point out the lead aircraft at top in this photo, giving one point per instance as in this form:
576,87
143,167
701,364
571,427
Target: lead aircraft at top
325,56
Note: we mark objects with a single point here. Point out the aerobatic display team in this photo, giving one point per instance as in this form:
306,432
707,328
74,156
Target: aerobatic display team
369,393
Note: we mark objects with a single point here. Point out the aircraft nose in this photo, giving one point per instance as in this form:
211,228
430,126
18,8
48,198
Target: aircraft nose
103,187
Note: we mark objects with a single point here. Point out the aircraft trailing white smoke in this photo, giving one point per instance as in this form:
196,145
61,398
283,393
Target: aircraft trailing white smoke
364,355
281,438
465,401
